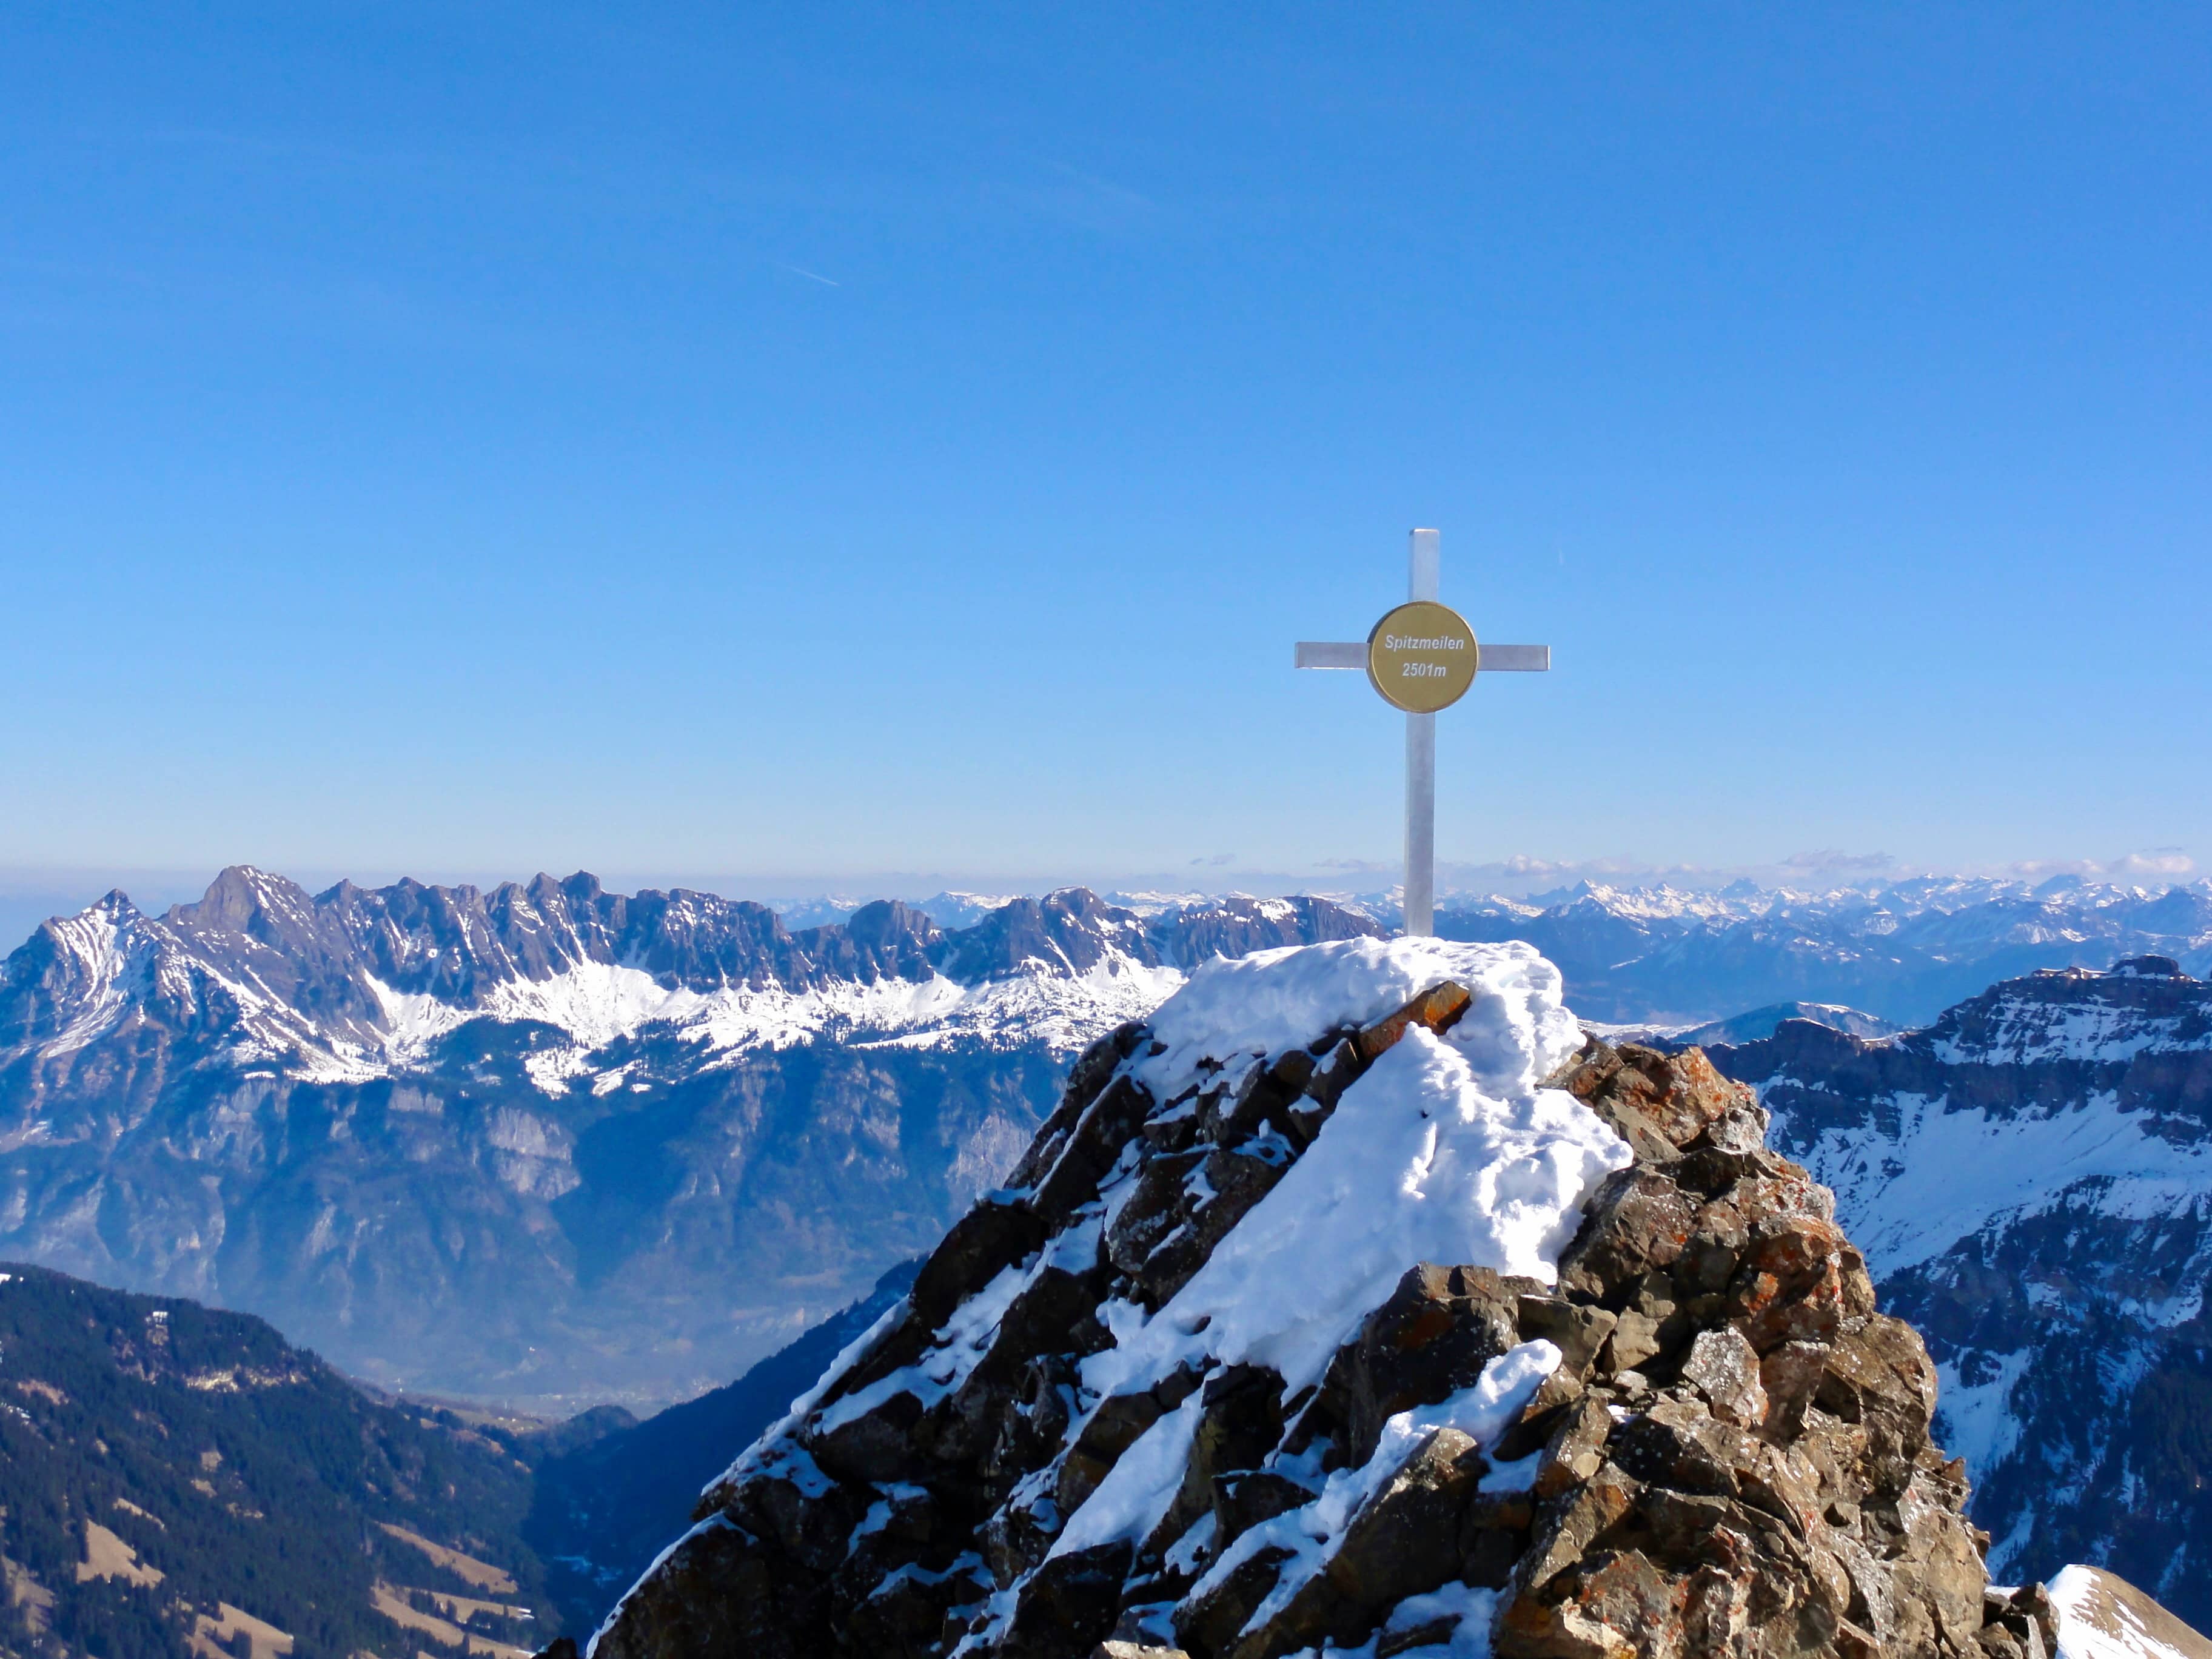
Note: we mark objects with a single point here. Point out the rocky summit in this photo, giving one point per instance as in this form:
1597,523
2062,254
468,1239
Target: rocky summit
1356,1302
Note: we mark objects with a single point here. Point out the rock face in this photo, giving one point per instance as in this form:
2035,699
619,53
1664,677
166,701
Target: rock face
517,1142
2031,1181
1355,1302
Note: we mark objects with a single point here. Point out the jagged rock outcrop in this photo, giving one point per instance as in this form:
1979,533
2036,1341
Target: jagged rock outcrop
1354,1302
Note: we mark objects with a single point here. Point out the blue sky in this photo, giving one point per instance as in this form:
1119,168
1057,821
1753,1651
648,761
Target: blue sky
829,440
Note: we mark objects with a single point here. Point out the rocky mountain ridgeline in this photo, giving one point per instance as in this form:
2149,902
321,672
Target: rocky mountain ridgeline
2031,1181
352,977
518,1144
1354,1302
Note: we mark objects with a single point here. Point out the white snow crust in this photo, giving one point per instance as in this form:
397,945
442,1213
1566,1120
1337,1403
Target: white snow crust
1273,1000
1137,1489
1470,1639
1445,1151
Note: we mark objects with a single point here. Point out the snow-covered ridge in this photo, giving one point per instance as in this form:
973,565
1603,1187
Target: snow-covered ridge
2102,1617
1947,1171
2077,1017
1445,1151
111,957
1957,1149
1452,1152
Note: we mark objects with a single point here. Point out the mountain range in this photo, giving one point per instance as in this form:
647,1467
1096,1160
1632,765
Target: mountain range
1899,950
1902,950
497,1142
556,1145
521,1143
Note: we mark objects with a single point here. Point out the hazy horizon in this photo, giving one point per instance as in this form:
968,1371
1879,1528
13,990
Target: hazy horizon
30,894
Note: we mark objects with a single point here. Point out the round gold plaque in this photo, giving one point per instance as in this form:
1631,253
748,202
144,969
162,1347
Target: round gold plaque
1422,657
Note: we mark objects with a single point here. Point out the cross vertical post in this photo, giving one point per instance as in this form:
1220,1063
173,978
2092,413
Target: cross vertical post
1423,581
1422,657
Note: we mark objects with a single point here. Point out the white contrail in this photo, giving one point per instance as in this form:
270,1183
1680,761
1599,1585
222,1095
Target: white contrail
811,276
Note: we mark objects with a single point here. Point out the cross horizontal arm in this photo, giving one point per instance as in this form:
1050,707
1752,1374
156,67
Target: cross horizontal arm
1489,658
1513,659
1332,653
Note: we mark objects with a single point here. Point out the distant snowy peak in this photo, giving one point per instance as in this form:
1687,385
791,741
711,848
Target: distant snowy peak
77,974
1989,907
1765,1022
2103,1030
2049,1093
1902,951
353,981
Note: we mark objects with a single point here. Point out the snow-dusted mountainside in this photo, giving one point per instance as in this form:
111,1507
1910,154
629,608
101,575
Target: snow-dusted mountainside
354,983
2031,1179
1355,1304
518,1141
1903,951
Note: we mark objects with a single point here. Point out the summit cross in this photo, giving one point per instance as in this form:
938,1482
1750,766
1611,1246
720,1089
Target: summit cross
1422,657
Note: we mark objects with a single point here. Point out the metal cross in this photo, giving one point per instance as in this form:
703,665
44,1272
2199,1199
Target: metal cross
1426,668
